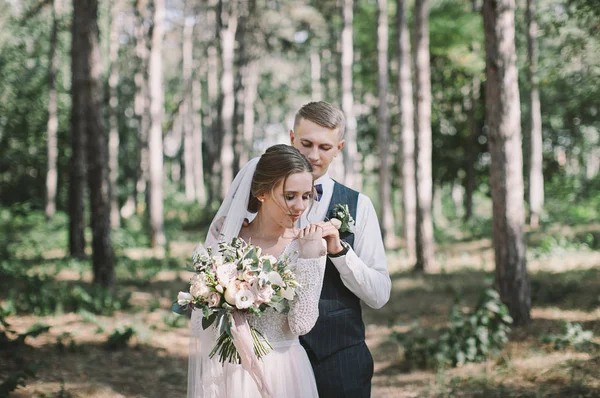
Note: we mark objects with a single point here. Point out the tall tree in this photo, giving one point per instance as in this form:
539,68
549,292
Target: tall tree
471,105
229,22
423,147
316,88
155,143
198,164
351,165
77,166
113,112
407,129
87,82
142,106
186,104
52,173
536,176
385,183
506,179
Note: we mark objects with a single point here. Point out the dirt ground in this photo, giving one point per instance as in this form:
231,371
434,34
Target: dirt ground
155,362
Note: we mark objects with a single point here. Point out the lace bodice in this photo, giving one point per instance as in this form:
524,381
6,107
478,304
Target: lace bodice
304,310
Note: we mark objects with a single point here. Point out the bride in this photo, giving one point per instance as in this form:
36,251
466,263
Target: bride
278,187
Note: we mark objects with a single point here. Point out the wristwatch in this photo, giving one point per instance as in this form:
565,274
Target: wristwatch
345,249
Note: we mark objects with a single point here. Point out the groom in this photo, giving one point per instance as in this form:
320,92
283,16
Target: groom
356,264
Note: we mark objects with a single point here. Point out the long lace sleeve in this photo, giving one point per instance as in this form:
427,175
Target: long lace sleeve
304,309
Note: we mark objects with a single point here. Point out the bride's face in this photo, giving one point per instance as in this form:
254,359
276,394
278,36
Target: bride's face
285,204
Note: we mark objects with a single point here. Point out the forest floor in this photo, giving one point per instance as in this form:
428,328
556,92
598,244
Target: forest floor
565,286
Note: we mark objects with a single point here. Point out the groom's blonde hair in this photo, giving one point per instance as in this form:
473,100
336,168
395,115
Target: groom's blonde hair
324,114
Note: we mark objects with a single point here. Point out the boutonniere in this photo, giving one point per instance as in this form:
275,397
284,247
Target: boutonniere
341,218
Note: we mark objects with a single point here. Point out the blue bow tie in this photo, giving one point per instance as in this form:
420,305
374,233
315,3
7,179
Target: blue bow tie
319,189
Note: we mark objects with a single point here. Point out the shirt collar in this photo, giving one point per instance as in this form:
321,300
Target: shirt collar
321,180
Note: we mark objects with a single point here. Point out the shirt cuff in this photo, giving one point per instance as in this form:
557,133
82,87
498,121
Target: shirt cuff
343,263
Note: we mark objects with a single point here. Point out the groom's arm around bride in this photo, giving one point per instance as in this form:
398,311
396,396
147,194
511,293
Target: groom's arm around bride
356,264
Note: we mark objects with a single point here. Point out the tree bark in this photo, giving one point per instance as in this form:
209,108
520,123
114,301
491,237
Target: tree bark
536,176
407,127
472,144
113,103
472,154
77,167
89,71
229,17
52,173
198,159
351,165
506,179
185,114
315,74
155,73
385,185
424,183
251,77
142,107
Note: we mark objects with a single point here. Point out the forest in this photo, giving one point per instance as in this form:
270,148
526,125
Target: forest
472,125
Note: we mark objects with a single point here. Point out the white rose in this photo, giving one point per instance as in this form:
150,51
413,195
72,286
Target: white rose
244,299
230,293
249,276
275,278
264,294
199,289
225,273
184,298
213,299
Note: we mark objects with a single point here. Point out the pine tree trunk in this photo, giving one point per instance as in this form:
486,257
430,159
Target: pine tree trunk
198,159
185,113
142,106
536,177
251,77
506,179
385,183
423,147
351,166
229,17
407,127
155,73
85,26
113,102
77,167
315,74
472,154
52,173
472,145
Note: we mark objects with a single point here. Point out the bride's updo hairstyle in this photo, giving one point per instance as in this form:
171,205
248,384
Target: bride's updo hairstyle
275,166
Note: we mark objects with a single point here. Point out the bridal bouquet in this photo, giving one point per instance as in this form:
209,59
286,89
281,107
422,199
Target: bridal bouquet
231,284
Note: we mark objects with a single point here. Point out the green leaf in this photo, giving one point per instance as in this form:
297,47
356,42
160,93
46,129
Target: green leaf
206,322
180,309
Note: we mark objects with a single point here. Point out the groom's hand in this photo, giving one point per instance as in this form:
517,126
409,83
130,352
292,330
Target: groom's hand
332,236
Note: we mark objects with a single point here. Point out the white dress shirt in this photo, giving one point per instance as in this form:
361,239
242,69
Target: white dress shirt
363,269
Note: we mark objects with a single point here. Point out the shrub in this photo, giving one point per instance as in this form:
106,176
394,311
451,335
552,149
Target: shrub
572,335
12,346
471,337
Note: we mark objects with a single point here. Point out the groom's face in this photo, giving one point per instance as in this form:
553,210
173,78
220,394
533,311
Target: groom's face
318,144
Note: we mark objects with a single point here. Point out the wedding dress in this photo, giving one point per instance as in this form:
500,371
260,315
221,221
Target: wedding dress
287,370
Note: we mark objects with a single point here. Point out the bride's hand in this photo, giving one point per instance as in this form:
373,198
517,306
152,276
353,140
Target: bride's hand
310,240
